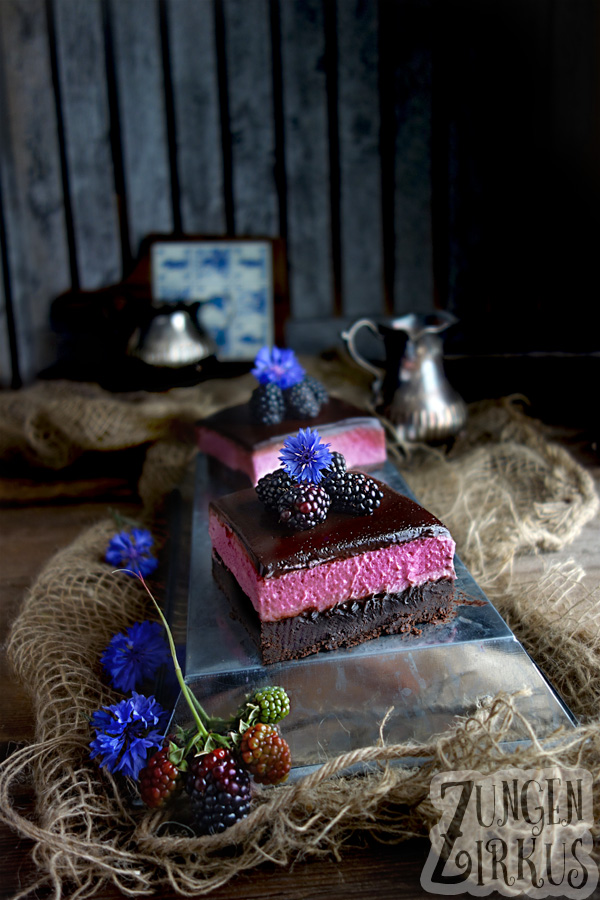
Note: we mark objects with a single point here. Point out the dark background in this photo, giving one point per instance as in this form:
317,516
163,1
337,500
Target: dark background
412,154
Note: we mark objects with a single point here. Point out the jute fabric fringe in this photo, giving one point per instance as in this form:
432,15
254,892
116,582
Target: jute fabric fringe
503,489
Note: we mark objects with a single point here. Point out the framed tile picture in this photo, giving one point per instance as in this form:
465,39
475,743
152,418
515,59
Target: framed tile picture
234,282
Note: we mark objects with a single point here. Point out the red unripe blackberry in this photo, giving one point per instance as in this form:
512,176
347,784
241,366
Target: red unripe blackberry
219,790
160,779
303,506
265,754
271,487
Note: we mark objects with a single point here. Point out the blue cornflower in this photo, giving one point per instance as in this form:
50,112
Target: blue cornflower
131,550
278,367
304,456
132,656
126,731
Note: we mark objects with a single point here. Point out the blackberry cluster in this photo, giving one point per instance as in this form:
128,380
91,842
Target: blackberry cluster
354,493
265,754
218,781
267,405
274,704
301,402
272,486
303,506
217,758
219,790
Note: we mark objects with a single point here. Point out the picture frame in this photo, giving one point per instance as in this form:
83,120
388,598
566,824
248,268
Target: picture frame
239,283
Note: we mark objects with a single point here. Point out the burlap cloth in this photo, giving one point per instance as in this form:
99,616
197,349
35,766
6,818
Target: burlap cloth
503,489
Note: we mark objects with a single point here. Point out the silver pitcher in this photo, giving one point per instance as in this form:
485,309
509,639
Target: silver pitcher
412,391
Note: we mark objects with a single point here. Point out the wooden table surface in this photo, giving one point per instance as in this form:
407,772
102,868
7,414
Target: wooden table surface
31,533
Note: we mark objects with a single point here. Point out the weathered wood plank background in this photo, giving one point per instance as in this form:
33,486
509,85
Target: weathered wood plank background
411,153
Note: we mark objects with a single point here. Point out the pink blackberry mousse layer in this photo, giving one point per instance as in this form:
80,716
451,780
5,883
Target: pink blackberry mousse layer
390,569
362,446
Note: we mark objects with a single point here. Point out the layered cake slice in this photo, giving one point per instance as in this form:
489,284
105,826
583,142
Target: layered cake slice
329,564
233,439
247,438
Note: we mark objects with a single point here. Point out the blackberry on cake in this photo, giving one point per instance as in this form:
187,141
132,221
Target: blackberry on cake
354,493
306,503
305,399
267,405
318,389
275,371
301,402
336,468
303,506
272,486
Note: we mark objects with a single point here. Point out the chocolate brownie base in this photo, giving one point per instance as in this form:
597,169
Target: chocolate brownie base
344,625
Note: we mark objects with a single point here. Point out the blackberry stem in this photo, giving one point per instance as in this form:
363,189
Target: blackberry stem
206,725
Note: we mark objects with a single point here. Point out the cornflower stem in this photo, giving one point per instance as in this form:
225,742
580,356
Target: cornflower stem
195,708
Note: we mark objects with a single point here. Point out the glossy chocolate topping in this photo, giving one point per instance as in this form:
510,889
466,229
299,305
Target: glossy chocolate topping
235,422
275,549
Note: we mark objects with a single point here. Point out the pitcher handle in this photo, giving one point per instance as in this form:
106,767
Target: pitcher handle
349,335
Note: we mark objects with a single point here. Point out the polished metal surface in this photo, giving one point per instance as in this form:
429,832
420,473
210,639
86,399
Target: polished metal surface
171,338
412,390
340,698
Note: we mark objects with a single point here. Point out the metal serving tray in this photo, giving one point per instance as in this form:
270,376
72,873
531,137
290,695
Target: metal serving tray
340,698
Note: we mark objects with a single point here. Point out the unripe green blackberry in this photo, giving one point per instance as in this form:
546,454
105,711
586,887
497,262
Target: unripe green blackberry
274,704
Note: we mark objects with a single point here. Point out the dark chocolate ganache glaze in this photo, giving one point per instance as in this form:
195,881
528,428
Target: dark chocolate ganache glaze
236,424
275,549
